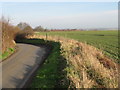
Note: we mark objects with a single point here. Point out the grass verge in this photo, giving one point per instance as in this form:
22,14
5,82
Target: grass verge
7,53
46,76
49,75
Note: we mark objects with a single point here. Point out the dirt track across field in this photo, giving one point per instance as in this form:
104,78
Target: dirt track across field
18,68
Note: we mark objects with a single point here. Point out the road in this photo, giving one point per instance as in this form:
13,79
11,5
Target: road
18,68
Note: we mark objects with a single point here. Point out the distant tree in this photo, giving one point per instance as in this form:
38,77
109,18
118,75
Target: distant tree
39,29
26,30
22,25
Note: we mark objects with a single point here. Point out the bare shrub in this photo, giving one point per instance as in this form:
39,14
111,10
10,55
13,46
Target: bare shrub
8,34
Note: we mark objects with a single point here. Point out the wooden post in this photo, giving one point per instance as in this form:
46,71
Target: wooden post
46,36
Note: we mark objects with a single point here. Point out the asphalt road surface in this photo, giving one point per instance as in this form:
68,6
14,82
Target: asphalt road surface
18,68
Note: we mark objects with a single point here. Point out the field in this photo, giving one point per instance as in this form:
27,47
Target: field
107,41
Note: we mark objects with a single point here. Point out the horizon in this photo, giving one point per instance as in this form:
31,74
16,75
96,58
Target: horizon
63,15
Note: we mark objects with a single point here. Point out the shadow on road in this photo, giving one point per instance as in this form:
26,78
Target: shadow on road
61,79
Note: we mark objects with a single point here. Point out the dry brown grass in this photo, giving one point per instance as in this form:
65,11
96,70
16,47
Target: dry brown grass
87,66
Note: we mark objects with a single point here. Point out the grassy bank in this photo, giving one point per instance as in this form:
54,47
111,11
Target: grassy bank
107,41
83,68
48,74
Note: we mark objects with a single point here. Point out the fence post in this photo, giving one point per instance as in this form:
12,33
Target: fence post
46,36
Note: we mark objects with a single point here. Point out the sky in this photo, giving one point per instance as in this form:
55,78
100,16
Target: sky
63,15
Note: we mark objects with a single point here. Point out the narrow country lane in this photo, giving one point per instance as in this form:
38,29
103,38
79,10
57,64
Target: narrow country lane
17,69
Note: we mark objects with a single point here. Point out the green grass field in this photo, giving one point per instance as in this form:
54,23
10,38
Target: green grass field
107,41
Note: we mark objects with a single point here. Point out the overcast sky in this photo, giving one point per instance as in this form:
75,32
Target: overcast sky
62,15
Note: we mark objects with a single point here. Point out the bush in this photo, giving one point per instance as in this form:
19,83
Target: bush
24,33
8,34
